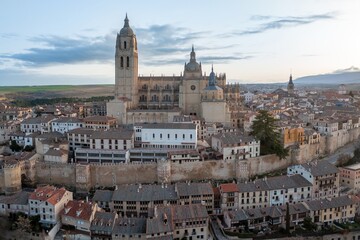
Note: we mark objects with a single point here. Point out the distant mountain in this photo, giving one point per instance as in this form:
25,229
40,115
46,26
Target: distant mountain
343,76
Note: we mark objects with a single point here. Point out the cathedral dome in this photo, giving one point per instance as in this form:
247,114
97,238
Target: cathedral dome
193,65
126,30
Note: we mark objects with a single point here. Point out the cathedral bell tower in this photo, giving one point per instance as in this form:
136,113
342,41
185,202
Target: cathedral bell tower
126,65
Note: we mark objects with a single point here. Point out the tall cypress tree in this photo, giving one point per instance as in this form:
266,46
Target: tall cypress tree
264,129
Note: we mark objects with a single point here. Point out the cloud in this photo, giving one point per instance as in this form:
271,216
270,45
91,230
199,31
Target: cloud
8,35
202,59
160,40
347,70
158,45
63,50
283,22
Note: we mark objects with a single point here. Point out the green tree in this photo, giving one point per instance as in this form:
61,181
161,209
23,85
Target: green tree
309,224
264,129
14,146
23,223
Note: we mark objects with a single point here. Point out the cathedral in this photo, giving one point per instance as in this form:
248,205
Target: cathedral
160,98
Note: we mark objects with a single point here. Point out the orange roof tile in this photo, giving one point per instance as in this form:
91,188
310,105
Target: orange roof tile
228,187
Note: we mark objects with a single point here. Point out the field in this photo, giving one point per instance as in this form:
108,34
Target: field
55,91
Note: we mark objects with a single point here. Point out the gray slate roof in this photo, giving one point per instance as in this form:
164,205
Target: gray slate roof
325,203
144,193
273,183
113,134
230,138
320,168
128,226
103,221
167,125
102,196
185,189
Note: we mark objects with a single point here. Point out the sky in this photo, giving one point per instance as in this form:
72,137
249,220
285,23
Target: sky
51,42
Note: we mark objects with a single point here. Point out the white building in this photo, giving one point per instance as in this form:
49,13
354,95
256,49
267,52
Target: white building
38,124
48,202
66,124
323,175
234,145
249,97
326,126
118,139
166,135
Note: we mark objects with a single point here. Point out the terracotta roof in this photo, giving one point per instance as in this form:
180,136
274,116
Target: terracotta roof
48,194
228,187
79,210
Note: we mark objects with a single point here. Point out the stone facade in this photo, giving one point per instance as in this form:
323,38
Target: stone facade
159,98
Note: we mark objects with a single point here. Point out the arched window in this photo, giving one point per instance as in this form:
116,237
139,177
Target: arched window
127,62
124,44
154,98
121,62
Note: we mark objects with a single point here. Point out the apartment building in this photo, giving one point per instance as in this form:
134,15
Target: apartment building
329,210
48,202
274,191
79,214
79,138
322,212
326,126
38,124
100,122
350,176
112,139
323,176
102,225
235,145
166,135
129,229
16,203
66,124
136,200
178,222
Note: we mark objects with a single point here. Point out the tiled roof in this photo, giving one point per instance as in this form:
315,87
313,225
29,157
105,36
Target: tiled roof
78,210
228,187
49,194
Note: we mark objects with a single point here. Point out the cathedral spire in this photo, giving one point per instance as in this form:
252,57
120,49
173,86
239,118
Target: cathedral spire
212,77
192,54
290,79
126,21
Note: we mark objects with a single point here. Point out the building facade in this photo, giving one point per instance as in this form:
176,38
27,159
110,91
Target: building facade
160,98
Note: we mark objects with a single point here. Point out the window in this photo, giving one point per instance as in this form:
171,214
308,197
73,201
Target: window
124,44
190,136
127,62
121,62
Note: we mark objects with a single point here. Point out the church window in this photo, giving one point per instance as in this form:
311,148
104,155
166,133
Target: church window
124,44
121,62
127,62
